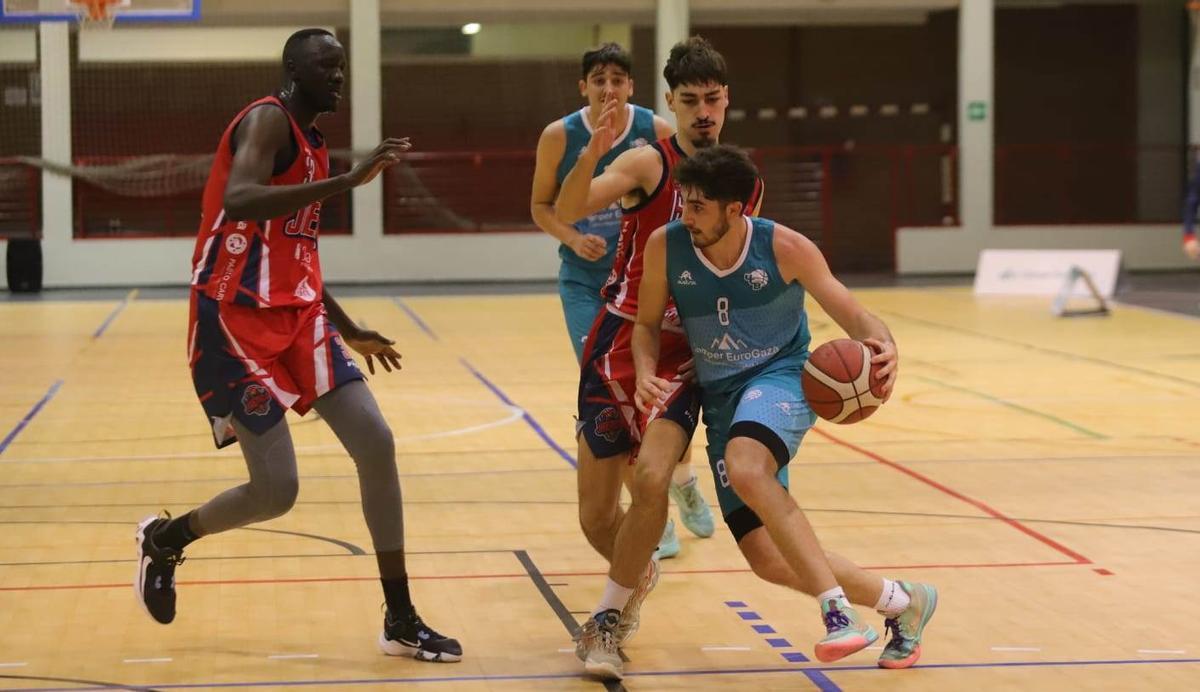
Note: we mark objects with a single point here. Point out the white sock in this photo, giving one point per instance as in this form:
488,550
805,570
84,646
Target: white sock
836,594
682,474
893,600
615,597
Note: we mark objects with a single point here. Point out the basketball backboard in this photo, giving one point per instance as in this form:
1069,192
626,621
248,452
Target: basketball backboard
14,11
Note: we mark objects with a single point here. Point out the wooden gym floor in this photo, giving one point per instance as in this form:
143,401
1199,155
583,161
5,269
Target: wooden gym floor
1042,472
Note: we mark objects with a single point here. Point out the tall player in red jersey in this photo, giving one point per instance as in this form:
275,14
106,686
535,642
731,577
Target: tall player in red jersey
610,427
265,335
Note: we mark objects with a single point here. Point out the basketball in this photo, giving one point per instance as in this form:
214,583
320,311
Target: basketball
838,384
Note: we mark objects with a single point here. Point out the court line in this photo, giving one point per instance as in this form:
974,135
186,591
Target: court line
514,413
412,315
529,419
242,479
112,316
511,575
794,670
12,435
817,677
1014,406
559,608
1078,558
1041,349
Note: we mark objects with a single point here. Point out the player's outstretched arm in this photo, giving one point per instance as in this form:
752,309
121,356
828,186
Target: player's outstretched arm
550,149
371,344
800,260
652,305
581,194
261,136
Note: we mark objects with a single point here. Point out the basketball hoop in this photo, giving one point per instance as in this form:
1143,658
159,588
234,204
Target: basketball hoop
97,14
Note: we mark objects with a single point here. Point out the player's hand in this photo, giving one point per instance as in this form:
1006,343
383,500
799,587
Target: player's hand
687,371
651,391
888,360
374,346
588,246
605,133
1191,247
385,155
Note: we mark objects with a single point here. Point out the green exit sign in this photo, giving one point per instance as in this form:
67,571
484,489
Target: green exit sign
977,110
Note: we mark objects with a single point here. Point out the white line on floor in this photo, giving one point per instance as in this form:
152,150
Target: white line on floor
724,648
148,660
566,651
287,656
15,664
874,648
1015,648
1161,651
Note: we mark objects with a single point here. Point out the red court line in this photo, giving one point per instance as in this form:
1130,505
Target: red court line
1079,559
508,575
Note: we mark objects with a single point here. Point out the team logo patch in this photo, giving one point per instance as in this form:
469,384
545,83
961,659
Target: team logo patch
752,395
304,291
256,400
609,424
235,244
685,279
639,142
757,279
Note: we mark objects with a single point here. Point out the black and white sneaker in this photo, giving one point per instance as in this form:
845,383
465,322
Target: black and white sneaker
155,580
410,636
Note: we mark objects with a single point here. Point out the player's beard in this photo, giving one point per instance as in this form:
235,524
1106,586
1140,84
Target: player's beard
702,241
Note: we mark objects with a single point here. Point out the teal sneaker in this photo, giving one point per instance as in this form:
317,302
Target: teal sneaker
904,648
693,510
668,545
845,632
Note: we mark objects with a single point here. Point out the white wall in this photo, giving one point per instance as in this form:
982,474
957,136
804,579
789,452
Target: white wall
18,45
457,257
939,250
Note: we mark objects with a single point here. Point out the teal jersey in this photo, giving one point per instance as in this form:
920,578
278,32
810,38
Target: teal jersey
606,223
741,322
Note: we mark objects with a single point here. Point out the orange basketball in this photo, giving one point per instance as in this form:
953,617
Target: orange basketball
838,384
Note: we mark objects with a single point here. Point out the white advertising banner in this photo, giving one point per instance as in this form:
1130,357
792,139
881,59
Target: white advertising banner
1044,272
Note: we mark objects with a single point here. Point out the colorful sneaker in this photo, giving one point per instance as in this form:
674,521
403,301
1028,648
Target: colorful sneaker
693,510
410,636
631,616
154,582
596,645
668,545
845,633
904,648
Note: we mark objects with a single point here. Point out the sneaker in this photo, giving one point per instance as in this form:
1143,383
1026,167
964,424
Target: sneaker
668,545
845,633
693,510
904,648
596,645
631,616
410,636
154,583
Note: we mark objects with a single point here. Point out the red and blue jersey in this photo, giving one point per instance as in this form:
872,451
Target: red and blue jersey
267,263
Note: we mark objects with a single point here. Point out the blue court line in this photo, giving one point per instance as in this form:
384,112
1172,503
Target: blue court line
814,675
530,420
525,415
412,315
113,315
628,674
12,435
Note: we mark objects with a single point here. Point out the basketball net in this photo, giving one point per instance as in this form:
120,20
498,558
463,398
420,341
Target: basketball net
97,14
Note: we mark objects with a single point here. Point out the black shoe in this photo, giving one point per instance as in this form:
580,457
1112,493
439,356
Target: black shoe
410,636
155,580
